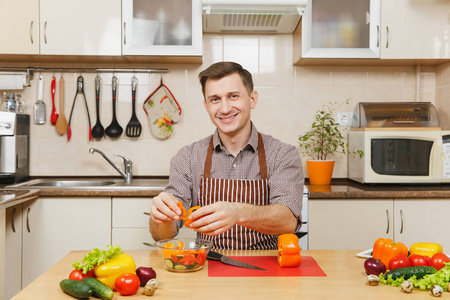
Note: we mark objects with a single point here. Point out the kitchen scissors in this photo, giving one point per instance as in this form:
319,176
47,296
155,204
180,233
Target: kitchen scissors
80,90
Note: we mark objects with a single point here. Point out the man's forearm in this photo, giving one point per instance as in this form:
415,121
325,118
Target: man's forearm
162,231
269,219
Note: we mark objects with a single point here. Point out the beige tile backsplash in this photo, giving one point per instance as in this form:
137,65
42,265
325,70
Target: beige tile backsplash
289,96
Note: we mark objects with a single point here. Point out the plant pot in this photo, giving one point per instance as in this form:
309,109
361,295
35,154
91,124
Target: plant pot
320,171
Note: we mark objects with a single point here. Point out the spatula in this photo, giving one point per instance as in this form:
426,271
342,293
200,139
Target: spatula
61,122
134,127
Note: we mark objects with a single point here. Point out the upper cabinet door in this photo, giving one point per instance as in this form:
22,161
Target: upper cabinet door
341,29
415,29
19,27
80,27
162,27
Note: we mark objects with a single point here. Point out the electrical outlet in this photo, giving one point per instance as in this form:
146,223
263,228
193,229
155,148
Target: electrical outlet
344,118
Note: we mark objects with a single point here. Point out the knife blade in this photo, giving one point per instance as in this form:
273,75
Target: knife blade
226,260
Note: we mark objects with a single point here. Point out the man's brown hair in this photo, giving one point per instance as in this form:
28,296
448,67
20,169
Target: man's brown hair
222,69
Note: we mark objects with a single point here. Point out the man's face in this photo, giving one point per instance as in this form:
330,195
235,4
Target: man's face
228,103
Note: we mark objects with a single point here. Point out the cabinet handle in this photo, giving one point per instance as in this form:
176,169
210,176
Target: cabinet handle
387,37
401,219
387,217
45,32
146,213
31,32
124,33
12,221
378,36
28,220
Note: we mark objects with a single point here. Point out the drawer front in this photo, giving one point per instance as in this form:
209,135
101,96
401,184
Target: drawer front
129,212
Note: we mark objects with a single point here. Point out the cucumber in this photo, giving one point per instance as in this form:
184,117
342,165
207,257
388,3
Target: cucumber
408,272
75,288
99,289
169,263
180,267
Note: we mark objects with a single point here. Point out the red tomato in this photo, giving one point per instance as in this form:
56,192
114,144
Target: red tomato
418,260
400,261
187,260
437,261
77,275
91,273
201,258
127,284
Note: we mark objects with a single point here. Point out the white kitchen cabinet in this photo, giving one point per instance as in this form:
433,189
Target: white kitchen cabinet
80,27
19,27
349,224
161,28
355,224
341,29
422,220
10,251
130,223
373,29
54,226
415,29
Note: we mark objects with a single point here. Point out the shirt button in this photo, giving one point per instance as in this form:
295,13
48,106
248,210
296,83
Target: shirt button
234,165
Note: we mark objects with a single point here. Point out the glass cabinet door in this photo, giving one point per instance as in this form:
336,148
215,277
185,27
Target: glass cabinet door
341,29
162,27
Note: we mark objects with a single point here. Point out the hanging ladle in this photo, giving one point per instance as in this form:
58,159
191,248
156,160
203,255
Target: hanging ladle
114,130
98,131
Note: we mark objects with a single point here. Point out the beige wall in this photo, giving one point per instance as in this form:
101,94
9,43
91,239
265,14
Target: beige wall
289,95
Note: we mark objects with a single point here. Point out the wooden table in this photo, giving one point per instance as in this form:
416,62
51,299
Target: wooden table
345,280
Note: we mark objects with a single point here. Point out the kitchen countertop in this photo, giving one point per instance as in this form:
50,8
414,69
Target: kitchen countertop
348,189
345,280
338,189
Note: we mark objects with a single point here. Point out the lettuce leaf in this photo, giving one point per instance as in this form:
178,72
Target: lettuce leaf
97,257
441,278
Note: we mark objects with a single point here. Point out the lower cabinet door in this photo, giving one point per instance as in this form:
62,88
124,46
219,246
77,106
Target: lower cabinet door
422,220
351,224
52,227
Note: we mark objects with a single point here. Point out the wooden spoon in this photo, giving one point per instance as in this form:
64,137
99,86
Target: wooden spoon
61,122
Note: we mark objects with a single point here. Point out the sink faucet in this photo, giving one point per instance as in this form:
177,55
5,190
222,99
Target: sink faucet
127,175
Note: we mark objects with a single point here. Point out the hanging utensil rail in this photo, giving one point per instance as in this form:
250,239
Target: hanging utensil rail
30,71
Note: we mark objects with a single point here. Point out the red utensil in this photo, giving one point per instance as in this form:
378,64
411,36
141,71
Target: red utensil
54,115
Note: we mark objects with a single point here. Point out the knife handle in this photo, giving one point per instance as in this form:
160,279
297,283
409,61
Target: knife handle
214,255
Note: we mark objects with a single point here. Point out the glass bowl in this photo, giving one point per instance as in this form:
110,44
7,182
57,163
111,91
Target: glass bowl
183,255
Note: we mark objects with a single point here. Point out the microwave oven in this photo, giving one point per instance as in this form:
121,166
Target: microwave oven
414,156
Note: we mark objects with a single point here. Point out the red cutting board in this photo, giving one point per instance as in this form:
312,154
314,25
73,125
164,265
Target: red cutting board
309,267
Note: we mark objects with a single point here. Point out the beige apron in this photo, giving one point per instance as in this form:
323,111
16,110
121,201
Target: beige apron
236,190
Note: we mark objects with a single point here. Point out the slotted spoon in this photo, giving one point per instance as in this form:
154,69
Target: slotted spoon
134,127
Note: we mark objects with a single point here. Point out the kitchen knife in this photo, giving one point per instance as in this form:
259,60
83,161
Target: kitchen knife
226,260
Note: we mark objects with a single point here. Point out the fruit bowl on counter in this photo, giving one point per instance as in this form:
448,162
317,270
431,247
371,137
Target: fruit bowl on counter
183,255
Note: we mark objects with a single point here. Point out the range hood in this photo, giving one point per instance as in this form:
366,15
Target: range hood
252,16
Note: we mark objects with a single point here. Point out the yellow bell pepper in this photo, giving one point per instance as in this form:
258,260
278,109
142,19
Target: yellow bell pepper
113,268
426,249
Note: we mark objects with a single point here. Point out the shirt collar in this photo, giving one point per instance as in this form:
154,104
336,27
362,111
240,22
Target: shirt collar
252,143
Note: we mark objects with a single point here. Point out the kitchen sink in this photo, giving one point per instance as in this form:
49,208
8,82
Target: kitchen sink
98,184
71,183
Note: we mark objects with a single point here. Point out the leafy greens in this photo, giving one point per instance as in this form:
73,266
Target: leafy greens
97,257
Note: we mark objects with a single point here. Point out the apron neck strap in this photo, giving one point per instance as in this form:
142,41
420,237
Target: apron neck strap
261,156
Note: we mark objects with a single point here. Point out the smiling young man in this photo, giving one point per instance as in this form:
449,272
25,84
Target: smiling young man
249,185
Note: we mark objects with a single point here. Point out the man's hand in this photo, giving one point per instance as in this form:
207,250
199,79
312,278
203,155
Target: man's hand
216,218
164,208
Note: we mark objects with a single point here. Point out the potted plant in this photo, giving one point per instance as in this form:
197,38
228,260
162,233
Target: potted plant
321,142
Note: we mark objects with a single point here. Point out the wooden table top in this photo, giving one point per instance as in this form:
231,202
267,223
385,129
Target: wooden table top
345,280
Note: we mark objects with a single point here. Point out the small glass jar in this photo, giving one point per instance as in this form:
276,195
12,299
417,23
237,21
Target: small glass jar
20,104
9,101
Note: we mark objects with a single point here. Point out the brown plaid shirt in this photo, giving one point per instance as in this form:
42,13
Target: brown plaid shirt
284,170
